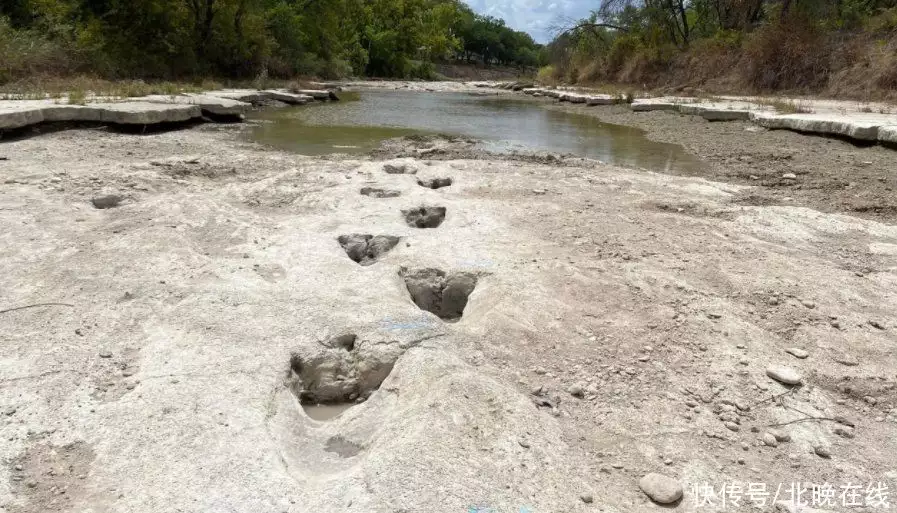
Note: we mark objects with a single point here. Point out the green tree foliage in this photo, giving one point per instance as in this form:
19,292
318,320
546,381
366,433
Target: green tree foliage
487,39
166,39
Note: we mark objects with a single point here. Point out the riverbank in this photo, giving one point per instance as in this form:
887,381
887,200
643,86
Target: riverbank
617,323
783,166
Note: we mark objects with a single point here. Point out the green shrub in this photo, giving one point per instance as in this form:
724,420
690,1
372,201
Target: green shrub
422,70
25,53
547,75
623,49
77,97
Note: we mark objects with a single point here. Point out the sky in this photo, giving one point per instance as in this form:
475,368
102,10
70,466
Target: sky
534,16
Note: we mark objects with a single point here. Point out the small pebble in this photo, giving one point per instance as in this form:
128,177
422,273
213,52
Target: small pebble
785,375
660,488
797,352
104,202
822,452
780,436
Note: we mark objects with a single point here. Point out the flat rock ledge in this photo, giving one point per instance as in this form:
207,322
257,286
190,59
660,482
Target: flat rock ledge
847,120
148,110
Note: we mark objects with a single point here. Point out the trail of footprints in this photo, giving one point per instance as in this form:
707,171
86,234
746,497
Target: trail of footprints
347,370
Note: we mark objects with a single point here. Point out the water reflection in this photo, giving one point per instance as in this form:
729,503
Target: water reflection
503,124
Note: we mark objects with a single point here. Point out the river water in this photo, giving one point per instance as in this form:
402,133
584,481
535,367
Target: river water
364,119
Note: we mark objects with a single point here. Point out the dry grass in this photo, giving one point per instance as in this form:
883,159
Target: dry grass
55,87
787,106
789,55
77,97
795,56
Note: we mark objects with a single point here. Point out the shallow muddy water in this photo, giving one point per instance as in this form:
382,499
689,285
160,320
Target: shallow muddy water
325,412
364,119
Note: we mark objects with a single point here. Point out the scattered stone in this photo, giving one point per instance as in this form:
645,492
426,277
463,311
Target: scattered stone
576,390
822,452
524,444
586,498
105,354
780,436
877,325
770,440
847,361
843,431
539,192
661,489
731,426
785,375
108,201
542,402
789,176
870,400
797,352
808,304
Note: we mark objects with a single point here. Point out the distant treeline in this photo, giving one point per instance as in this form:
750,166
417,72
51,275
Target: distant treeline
844,48
171,39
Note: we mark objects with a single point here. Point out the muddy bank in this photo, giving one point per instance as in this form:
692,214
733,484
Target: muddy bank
830,175
533,336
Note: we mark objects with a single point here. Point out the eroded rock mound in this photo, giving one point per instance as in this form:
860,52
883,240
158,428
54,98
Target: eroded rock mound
424,217
366,249
440,293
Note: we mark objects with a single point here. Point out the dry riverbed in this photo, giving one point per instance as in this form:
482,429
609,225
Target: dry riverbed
784,168
613,323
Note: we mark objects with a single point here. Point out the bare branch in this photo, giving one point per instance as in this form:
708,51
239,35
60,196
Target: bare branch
595,25
34,306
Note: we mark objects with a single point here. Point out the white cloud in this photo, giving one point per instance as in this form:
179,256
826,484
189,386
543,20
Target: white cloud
534,16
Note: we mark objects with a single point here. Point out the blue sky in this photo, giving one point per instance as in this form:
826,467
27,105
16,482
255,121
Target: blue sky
534,16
